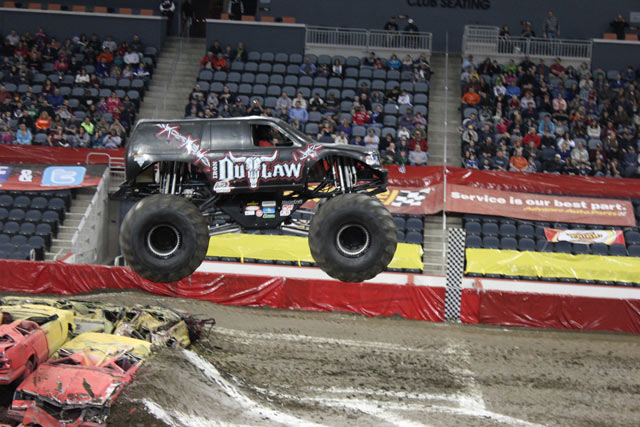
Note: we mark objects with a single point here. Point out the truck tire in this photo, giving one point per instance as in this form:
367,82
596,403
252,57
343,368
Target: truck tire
164,238
352,237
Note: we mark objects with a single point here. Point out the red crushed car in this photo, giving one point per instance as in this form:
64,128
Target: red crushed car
23,346
73,391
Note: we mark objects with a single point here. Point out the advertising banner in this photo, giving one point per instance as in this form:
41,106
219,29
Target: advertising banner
585,237
43,177
538,207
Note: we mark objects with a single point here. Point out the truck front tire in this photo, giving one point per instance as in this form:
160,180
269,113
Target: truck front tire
164,238
352,237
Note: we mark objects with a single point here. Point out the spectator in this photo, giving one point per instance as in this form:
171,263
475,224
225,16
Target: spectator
470,161
471,98
551,27
345,127
332,104
580,154
317,103
44,122
23,135
240,54
284,102
404,98
6,136
619,25
235,9
307,68
299,98
167,8
255,109
112,140
391,25
371,140
336,69
418,140
219,63
208,59
238,109
469,135
418,157
298,113
394,63
360,116
82,78
500,162
88,126
518,163
357,141
390,156
341,138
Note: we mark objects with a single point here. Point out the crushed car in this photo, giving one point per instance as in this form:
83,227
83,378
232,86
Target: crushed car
29,334
161,325
88,316
78,386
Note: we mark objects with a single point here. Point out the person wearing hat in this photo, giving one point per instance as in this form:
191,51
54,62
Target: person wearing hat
409,33
469,135
238,109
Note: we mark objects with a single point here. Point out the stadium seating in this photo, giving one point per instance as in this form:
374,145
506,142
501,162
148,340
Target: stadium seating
265,75
29,220
46,76
489,232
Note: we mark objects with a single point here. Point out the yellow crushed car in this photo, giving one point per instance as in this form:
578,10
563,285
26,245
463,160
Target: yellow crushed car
104,345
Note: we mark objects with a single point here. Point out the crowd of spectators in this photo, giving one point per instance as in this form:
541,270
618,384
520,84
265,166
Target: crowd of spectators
385,118
535,117
77,92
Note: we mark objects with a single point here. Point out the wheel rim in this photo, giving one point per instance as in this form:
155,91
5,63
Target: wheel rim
353,240
163,240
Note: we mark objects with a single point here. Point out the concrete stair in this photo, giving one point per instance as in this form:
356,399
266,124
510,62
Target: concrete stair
175,74
435,242
61,244
443,122
444,85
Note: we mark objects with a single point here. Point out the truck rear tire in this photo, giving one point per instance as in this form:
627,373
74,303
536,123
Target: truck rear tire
352,237
164,238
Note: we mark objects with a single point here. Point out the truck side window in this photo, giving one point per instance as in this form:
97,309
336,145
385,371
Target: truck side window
269,136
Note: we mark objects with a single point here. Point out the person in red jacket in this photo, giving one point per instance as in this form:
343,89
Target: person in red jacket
532,135
207,61
361,117
417,139
219,64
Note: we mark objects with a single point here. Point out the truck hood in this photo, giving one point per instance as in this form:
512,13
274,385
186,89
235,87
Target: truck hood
367,155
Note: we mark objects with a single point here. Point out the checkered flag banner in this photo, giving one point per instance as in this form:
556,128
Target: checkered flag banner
455,269
410,198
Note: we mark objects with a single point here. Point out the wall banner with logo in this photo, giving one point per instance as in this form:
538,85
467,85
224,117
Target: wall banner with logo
540,207
46,177
586,237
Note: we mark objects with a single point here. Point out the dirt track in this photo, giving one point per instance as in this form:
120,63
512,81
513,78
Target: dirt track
272,367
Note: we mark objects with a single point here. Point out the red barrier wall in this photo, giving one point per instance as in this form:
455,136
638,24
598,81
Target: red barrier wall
369,299
558,312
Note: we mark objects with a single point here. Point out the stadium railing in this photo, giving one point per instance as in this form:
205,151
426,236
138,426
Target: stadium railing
368,39
483,41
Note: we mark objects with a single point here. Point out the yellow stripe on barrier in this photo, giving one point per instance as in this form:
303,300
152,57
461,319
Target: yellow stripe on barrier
293,248
546,264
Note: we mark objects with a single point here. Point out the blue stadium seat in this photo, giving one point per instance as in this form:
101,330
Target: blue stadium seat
401,222
542,245
473,242
634,250
415,224
525,230
414,237
489,229
562,247
526,244
490,242
580,249
508,243
600,249
614,250
507,230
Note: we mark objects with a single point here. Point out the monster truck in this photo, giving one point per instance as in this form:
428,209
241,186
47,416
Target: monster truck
196,178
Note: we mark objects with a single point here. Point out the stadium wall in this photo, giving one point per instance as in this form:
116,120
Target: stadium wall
260,36
615,54
63,25
578,18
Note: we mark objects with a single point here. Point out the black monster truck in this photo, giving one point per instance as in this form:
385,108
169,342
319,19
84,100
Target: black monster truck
253,172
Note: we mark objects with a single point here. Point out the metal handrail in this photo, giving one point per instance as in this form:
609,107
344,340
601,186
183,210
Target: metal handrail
368,39
486,40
